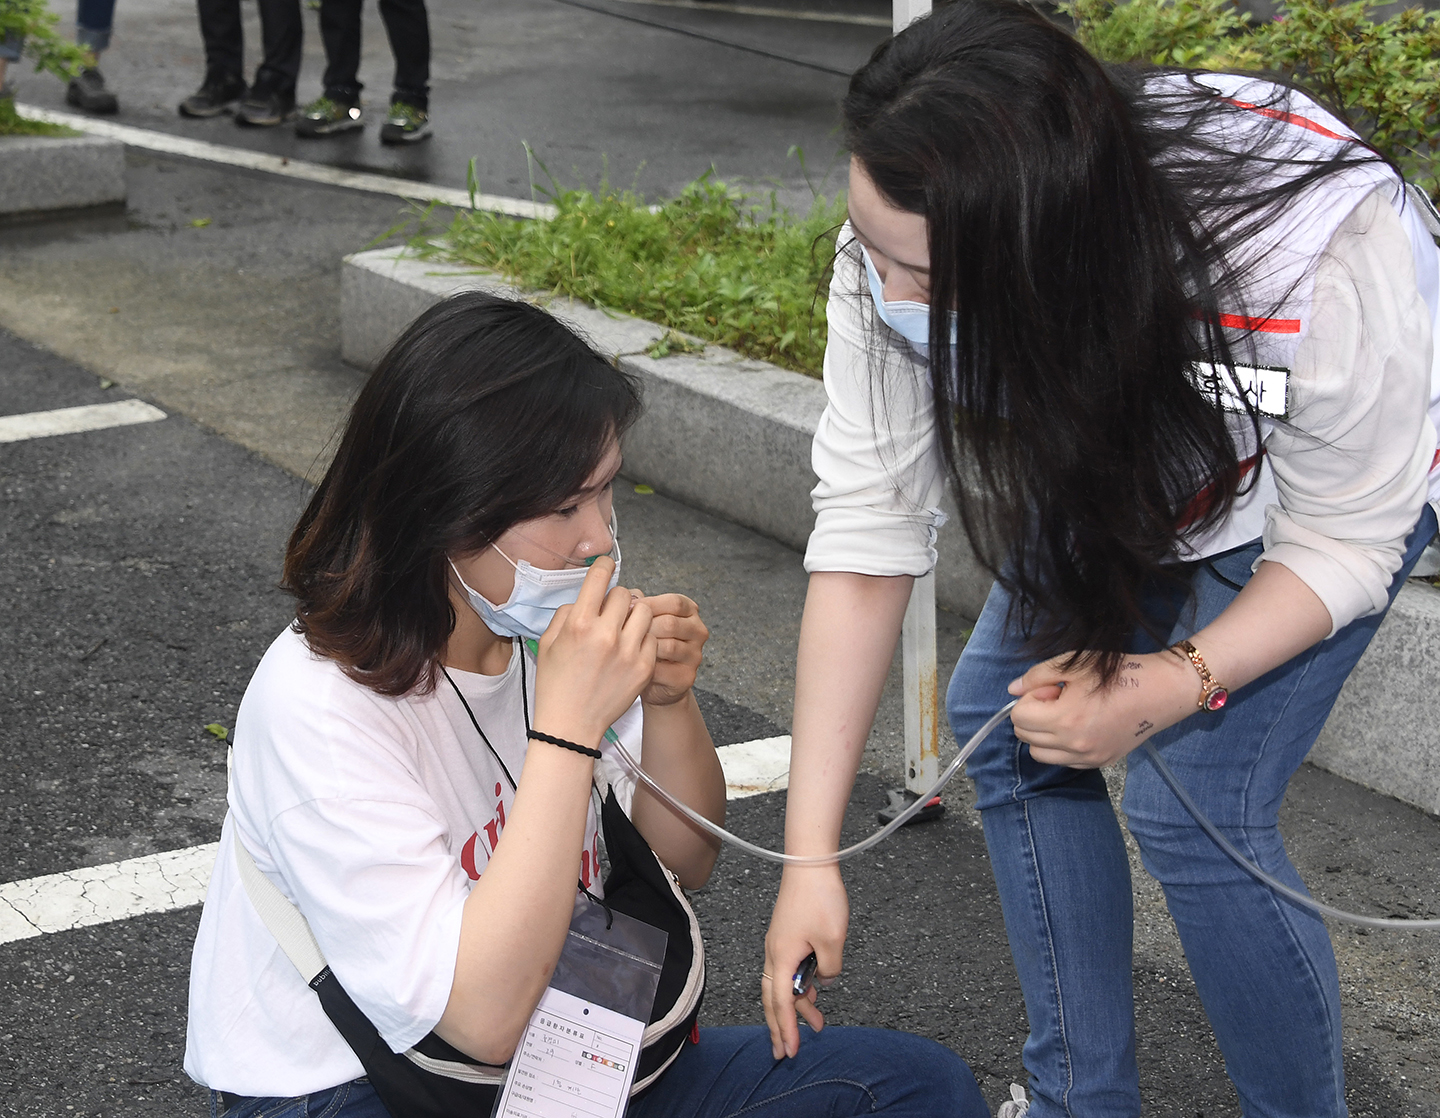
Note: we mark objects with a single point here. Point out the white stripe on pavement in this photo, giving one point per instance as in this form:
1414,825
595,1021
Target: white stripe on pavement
101,894
175,879
753,767
769,13
164,142
70,421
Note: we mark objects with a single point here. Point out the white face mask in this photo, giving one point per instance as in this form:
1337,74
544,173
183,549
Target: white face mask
907,318
537,594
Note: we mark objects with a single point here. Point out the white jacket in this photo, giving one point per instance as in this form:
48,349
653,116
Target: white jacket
1344,476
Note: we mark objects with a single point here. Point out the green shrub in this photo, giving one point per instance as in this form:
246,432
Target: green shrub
1384,74
710,262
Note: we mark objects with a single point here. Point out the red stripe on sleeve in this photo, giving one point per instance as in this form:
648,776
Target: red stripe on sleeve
1289,118
1262,325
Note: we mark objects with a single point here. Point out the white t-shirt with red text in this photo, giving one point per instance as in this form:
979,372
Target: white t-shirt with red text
374,815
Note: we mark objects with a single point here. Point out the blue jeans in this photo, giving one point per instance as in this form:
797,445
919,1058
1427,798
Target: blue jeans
93,22
838,1073
1264,968
356,1099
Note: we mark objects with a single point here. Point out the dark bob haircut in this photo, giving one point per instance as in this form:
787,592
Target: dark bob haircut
484,413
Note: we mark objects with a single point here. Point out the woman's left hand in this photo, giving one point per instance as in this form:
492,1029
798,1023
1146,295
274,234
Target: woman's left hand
1070,718
680,637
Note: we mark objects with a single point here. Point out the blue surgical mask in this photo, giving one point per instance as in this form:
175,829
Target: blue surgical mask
909,319
536,596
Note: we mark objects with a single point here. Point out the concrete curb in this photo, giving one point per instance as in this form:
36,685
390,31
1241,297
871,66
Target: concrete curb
732,436
43,173
1384,732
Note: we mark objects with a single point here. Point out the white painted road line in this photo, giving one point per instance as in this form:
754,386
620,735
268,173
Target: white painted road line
768,13
163,142
175,879
753,767
101,894
70,421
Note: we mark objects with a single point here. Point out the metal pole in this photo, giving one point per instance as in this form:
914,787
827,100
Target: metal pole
922,707
917,638
906,12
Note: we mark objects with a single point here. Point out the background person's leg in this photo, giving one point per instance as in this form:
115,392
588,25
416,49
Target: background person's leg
1264,968
93,22
283,32
224,37
408,27
340,29
10,46
1064,881
838,1072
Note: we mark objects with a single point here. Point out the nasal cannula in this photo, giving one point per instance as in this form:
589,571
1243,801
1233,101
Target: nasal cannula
1294,895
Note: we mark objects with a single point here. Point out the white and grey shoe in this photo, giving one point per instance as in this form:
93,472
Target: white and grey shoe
1017,1107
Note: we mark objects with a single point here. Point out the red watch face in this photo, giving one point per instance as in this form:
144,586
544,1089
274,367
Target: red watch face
1217,699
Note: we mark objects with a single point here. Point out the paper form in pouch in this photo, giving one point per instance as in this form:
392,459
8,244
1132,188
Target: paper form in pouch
576,1060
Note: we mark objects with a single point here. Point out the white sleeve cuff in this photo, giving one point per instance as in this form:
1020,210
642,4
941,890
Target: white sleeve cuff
1351,581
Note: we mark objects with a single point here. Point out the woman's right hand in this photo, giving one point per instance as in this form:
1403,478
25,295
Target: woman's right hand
812,913
594,659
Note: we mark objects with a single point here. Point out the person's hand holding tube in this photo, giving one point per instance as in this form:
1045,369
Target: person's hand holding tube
812,913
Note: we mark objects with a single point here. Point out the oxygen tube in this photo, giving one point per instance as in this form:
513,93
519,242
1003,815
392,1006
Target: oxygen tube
632,767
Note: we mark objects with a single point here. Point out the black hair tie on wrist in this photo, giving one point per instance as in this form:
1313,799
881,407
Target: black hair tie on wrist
563,744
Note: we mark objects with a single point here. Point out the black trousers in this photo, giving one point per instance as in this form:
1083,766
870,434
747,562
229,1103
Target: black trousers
281,30
408,29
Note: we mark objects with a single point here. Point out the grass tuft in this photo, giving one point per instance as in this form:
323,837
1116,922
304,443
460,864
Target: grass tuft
714,263
13,124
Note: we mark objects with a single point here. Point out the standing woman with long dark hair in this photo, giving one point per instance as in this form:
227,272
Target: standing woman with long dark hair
1168,338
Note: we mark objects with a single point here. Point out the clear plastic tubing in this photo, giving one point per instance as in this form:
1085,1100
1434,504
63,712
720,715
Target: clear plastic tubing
634,769
1166,774
1293,895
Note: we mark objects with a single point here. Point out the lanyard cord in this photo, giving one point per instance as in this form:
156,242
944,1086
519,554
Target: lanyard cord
525,709
525,706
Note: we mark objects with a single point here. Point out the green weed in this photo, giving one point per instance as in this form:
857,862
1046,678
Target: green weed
714,262
13,124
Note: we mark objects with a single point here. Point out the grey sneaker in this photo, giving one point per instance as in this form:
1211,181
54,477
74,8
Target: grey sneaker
217,96
265,108
405,125
1018,1105
88,92
324,117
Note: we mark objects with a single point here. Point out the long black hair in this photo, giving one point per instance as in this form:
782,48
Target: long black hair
1083,224
484,413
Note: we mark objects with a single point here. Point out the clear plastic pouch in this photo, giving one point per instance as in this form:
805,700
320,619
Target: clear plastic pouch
580,1050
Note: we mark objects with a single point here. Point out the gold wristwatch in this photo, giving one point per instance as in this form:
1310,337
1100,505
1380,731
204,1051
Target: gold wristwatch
1213,693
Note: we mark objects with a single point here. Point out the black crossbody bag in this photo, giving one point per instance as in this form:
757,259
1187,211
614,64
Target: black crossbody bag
433,1079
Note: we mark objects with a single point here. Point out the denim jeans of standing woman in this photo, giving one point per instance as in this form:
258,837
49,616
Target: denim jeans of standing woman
838,1073
1264,967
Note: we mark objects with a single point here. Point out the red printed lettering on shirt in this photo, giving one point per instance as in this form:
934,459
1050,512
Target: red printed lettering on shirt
467,858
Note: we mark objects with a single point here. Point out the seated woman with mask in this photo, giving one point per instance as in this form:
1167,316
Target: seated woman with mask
418,757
